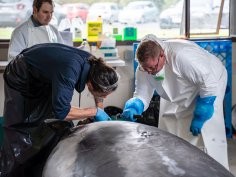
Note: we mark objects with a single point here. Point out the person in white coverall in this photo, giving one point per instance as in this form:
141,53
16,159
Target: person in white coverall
35,30
191,83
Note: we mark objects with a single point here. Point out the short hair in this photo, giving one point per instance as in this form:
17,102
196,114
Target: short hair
147,49
38,3
102,77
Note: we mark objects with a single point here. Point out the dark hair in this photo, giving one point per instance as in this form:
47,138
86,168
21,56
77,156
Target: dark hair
147,49
38,3
102,77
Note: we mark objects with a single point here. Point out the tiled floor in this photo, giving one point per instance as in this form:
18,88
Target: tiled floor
232,155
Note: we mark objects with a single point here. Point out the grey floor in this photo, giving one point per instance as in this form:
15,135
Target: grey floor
232,155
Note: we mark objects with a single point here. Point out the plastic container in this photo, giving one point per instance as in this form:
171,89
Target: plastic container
99,18
77,35
94,29
118,37
116,34
74,26
130,33
85,46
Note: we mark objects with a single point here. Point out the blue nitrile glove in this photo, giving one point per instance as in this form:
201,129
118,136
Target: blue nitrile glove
203,111
133,106
101,115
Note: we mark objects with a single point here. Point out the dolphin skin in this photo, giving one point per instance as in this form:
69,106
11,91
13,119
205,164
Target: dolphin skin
128,149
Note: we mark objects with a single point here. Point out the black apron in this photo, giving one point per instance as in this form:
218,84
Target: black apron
27,94
27,139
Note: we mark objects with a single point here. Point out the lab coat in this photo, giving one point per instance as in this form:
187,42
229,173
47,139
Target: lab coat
189,71
27,35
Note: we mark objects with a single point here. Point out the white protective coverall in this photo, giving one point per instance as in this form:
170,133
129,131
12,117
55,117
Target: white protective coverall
189,71
27,35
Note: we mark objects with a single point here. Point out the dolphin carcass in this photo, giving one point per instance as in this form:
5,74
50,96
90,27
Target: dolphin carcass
128,149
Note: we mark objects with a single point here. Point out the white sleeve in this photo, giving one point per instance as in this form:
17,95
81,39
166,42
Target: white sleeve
199,69
58,34
143,89
18,42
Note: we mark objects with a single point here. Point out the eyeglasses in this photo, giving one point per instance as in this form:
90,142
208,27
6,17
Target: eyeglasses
148,69
153,68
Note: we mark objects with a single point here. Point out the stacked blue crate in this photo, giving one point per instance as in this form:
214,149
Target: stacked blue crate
223,50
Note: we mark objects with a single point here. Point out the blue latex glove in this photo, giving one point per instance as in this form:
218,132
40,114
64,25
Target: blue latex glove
128,114
101,115
203,111
133,106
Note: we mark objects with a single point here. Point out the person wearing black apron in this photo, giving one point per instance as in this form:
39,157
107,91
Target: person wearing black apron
39,85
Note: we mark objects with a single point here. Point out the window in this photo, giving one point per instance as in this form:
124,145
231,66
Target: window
207,17
166,20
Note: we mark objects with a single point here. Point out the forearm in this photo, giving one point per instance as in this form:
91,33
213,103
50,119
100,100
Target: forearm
81,113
